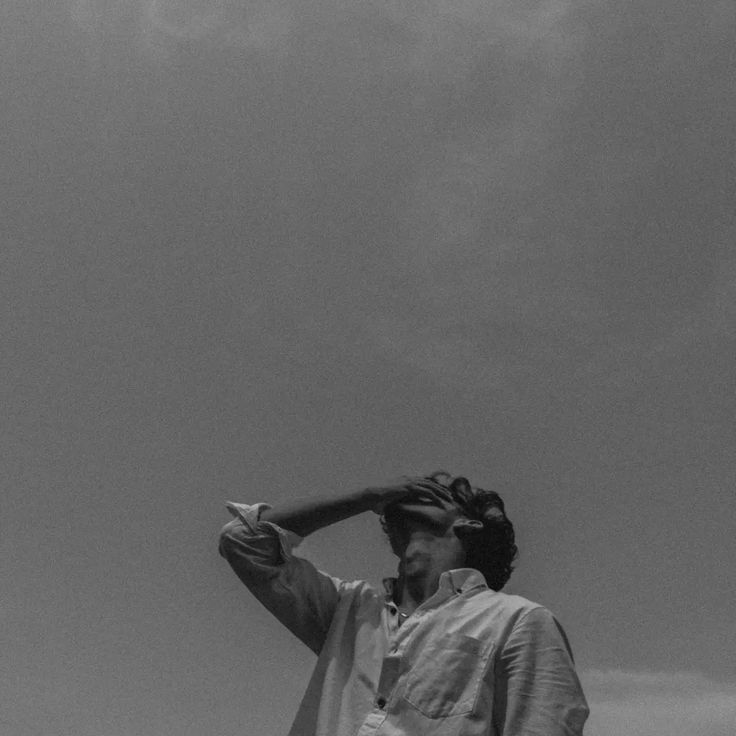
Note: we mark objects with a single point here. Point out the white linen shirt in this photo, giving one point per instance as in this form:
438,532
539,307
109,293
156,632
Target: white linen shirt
468,662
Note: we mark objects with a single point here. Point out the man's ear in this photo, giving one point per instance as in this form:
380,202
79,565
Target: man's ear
464,528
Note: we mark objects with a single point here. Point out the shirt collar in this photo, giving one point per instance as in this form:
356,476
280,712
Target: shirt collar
459,580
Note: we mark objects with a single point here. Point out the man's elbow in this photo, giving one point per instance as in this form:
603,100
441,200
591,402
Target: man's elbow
228,540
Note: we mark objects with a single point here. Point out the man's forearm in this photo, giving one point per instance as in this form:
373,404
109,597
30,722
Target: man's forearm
303,517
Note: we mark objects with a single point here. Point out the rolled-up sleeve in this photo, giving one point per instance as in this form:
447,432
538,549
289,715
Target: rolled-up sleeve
538,692
301,597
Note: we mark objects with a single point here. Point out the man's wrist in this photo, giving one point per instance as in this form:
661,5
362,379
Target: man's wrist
366,498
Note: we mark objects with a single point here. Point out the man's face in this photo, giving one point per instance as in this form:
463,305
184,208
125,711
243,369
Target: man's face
423,531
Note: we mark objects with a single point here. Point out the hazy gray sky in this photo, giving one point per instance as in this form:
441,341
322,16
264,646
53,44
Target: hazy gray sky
257,250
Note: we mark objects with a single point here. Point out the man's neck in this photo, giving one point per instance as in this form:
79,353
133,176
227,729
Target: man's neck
412,592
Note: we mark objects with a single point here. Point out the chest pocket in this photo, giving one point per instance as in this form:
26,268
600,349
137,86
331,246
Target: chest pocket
447,675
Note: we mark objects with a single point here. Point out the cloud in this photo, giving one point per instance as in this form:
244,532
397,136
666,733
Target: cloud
518,184
658,704
433,24
252,25
556,224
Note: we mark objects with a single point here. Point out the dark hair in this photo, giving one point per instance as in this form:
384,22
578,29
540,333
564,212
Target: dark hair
490,550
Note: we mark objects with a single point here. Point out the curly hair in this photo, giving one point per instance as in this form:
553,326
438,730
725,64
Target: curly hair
491,550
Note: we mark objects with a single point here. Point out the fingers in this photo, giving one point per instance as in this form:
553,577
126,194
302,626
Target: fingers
407,486
427,484
421,482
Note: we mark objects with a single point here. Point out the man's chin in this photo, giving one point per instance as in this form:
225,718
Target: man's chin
415,566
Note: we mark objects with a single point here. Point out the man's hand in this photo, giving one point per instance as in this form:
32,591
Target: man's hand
404,489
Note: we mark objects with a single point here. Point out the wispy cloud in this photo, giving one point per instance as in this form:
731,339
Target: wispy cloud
252,25
487,191
432,24
658,704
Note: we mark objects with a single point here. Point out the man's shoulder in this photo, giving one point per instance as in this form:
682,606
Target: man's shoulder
508,604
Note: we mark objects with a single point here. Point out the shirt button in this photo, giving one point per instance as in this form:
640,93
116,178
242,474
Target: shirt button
381,702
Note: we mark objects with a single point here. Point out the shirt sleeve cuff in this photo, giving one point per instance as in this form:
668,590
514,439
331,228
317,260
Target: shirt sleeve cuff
249,516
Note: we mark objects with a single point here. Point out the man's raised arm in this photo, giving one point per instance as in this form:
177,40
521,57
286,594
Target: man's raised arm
258,547
303,517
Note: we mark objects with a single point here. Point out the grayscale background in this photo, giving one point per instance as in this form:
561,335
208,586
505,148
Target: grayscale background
252,250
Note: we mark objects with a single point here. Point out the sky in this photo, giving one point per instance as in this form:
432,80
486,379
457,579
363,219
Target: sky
254,251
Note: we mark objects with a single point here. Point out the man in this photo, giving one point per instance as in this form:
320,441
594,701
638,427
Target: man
438,652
